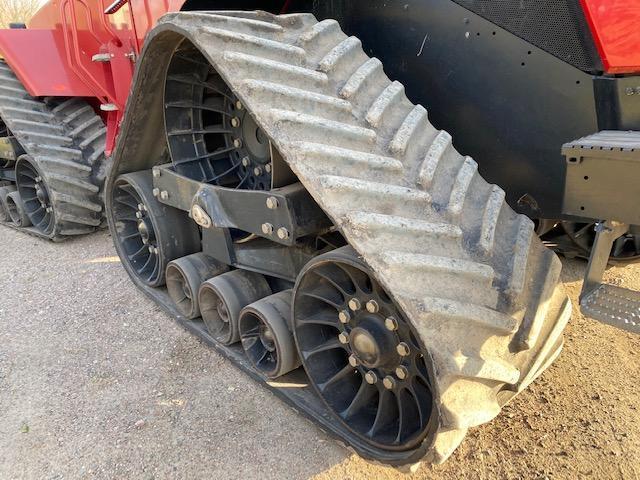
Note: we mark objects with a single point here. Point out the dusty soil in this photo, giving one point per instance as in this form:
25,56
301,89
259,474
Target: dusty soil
97,382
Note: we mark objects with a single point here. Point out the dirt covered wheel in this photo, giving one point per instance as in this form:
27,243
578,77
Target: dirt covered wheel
148,234
471,287
360,353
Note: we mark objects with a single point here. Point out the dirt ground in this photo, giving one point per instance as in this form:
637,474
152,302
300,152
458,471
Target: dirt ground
97,382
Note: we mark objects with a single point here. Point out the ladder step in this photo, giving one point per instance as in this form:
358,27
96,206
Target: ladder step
615,306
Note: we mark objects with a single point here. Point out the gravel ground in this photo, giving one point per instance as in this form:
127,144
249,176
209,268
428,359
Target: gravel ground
97,382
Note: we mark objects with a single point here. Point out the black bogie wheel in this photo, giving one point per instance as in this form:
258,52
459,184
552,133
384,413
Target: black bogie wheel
265,332
148,233
211,137
15,208
5,190
360,353
35,195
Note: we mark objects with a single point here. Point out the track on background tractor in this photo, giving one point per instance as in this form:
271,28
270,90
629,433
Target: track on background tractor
439,305
57,178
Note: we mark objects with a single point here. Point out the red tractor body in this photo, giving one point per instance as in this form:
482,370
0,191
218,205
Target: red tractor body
74,48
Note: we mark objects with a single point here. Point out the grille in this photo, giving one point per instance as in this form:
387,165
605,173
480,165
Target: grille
556,26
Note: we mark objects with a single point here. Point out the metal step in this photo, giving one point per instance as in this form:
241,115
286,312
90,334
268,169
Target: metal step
616,306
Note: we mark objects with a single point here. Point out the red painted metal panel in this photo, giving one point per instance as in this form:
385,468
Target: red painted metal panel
38,58
615,25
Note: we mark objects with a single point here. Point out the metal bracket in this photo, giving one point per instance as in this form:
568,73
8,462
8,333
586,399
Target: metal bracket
616,306
281,215
606,233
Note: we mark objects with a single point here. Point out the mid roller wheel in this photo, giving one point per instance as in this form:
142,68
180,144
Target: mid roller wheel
361,355
149,234
15,208
266,335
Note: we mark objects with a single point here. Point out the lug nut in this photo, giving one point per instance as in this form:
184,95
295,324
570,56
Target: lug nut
164,195
38,179
257,171
344,316
138,214
389,382
156,172
402,372
370,377
372,306
155,192
239,105
355,304
246,161
343,338
403,349
267,228
283,233
272,203
353,361
237,143
267,168
235,122
391,324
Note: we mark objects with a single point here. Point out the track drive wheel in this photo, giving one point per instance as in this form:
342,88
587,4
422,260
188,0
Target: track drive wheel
361,355
149,234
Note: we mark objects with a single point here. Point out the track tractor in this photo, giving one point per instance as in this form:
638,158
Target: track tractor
281,178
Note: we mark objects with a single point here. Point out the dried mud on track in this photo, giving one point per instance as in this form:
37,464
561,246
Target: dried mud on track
97,382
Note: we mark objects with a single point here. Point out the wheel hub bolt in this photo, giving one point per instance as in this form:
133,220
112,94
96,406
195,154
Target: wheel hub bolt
402,372
38,179
49,209
246,161
237,143
403,349
283,233
344,316
239,105
391,324
267,228
138,214
353,361
370,377
235,122
164,195
355,304
372,306
257,171
389,382
272,203
267,168
343,338
141,207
